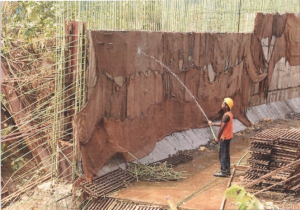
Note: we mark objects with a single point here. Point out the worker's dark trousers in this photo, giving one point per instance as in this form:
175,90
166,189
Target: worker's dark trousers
224,155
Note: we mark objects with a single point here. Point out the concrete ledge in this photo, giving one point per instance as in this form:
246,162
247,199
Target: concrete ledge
193,138
274,110
185,140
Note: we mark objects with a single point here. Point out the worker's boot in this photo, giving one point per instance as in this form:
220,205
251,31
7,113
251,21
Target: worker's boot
220,174
228,173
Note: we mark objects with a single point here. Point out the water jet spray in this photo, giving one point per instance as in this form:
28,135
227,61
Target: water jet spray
163,65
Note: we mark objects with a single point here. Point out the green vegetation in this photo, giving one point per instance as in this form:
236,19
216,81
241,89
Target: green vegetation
7,130
4,102
245,200
242,198
30,19
27,19
2,151
17,163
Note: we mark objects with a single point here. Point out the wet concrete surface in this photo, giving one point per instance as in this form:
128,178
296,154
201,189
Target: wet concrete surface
200,172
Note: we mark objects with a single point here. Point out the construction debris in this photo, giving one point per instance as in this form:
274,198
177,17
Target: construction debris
272,150
47,195
174,160
293,115
102,186
113,203
267,120
159,171
171,203
108,183
25,189
202,149
154,172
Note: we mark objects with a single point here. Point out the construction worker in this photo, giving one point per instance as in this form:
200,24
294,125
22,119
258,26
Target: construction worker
224,137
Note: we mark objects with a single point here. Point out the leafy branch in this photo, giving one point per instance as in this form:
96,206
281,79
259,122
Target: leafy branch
242,198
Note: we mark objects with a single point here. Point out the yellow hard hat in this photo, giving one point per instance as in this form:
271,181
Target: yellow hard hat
229,102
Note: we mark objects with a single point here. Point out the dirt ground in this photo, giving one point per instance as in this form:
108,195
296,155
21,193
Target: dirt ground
200,172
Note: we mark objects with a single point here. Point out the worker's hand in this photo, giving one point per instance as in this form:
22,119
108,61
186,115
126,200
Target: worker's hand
216,140
210,123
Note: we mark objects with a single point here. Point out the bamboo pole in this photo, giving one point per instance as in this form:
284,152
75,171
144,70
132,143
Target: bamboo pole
76,95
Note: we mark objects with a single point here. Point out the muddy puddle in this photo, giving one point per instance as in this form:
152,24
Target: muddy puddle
199,173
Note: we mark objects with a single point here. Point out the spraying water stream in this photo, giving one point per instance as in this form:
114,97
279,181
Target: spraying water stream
163,65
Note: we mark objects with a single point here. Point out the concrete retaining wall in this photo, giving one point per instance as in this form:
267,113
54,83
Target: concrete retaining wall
274,110
193,138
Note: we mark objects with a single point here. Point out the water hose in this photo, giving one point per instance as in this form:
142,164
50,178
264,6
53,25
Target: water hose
212,131
163,65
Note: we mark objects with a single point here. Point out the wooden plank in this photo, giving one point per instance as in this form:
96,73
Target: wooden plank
228,185
272,173
279,183
242,168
